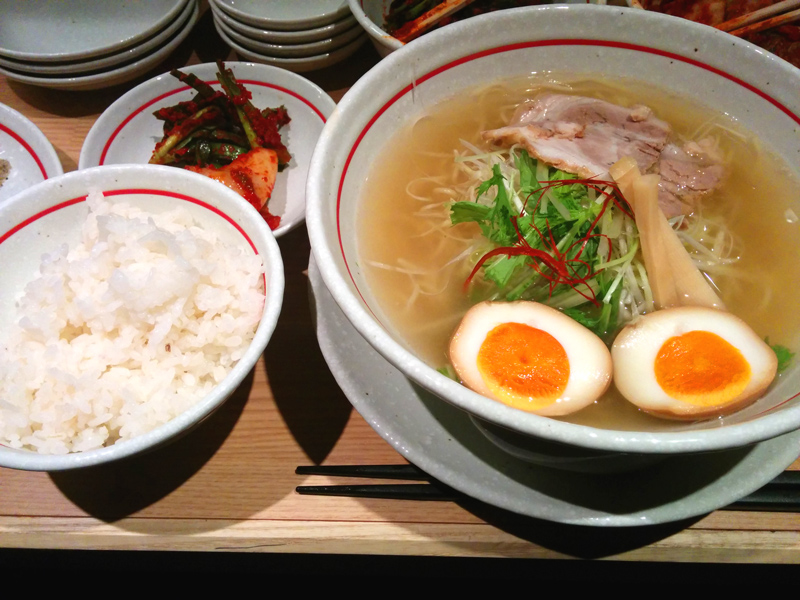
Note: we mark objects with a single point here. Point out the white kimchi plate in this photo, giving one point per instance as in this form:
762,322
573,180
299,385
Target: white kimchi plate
127,131
30,154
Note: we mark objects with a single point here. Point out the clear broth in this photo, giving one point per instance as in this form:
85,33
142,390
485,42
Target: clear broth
405,230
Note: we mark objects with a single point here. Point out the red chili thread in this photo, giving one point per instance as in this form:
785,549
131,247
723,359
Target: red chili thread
554,265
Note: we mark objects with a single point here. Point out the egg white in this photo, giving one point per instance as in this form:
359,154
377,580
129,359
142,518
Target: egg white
637,345
589,358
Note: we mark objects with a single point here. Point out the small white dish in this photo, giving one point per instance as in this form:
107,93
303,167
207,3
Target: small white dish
284,37
443,441
31,156
127,131
291,50
80,29
42,218
114,76
285,14
298,65
104,62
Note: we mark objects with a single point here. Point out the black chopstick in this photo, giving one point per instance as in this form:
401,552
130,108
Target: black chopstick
782,494
403,491
407,471
433,490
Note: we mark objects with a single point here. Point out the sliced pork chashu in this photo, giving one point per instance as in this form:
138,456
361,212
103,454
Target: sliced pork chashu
687,174
586,136
583,135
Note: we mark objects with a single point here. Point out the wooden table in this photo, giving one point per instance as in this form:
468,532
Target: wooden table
229,485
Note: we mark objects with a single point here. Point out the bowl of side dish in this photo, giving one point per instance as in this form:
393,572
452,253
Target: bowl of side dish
431,136
370,14
383,19
135,300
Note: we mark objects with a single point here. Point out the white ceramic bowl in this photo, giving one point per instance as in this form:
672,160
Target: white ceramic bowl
271,36
107,61
80,29
285,15
694,61
370,14
290,50
302,64
115,74
40,219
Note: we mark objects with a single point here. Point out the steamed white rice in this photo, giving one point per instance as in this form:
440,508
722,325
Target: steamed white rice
125,331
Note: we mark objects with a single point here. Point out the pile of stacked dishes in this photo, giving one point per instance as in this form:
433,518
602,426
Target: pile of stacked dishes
90,44
298,36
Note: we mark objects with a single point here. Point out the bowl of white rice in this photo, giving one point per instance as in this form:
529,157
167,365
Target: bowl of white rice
134,299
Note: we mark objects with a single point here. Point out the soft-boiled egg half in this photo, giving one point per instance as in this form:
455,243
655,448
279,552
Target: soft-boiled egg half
531,357
691,363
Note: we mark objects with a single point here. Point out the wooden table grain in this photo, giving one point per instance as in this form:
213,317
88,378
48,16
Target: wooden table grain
229,486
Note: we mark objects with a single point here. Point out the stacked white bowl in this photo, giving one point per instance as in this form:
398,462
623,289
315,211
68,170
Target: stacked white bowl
298,36
90,44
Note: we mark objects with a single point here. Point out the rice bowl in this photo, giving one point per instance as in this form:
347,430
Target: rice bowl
44,218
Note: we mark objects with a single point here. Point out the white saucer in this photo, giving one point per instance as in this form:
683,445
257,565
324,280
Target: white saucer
443,441
284,37
291,15
113,76
32,157
298,65
291,50
127,131
80,29
127,55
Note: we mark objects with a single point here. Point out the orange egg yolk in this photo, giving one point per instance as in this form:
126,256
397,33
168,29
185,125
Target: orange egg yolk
523,366
701,368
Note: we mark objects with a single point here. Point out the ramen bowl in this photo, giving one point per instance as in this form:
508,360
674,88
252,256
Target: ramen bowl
48,218
692,61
